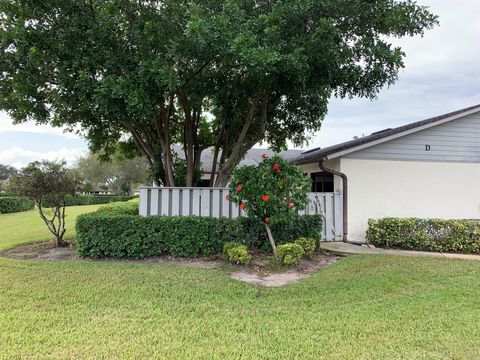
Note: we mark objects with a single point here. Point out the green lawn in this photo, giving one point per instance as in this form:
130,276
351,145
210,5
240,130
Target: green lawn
27,227
364,307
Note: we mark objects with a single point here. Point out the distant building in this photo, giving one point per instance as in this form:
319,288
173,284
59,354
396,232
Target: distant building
99,191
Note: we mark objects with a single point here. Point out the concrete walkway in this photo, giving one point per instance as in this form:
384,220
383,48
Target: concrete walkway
341,248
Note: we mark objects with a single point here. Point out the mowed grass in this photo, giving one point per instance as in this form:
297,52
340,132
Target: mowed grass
364,307
27,227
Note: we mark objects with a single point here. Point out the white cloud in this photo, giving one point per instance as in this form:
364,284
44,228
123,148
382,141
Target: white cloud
6,125
441,74
19,157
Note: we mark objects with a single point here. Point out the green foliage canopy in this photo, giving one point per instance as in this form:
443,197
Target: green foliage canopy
264,69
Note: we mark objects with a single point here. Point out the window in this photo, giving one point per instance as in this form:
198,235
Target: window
322,182
203,183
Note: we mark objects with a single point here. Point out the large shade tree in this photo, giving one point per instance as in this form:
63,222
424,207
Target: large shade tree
209,73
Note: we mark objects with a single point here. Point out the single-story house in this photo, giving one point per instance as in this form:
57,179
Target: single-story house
426,169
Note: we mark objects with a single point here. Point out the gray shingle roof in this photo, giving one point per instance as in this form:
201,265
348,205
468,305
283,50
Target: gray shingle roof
318,153
253,156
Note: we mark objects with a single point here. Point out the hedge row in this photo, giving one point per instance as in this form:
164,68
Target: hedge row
457,236
10,204
78,200
132,236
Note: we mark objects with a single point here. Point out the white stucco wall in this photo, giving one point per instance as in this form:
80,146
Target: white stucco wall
386,188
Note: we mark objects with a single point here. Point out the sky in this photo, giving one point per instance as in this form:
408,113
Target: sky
441,74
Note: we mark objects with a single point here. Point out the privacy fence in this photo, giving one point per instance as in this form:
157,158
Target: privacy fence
167,201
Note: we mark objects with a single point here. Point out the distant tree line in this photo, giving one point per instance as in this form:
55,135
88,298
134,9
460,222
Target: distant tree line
119,174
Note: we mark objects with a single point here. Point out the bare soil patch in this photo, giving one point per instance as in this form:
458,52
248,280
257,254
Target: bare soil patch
260,272
40,251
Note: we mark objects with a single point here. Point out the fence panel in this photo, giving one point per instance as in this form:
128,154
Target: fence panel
211,202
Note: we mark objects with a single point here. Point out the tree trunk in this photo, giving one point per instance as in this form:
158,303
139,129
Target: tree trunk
197,163
272,241
61,227
240,148
168,163
213,170
223,177
58,230
167,158
189,151
162,127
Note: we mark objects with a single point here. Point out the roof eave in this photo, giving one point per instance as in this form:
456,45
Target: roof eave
336,154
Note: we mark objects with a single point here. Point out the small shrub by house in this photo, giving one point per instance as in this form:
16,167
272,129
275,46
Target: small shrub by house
308,246
236,253
289,254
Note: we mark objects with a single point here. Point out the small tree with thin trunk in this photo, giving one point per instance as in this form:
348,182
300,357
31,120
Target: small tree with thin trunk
271,192
48,183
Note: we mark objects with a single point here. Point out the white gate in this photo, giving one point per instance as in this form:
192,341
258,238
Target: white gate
183,201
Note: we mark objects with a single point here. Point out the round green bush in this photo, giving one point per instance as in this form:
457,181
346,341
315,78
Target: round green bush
289,254
239,255
129,207
307,244
236,253
228,246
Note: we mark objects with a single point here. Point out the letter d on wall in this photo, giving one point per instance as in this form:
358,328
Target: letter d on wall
427,147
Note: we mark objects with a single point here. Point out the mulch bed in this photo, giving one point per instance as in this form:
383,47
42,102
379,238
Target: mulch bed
262,271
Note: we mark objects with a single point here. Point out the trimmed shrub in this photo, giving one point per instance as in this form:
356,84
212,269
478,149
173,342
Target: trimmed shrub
10,204
307,244
439,235
129,207
236,253
79,200
228,246
133,236
290,254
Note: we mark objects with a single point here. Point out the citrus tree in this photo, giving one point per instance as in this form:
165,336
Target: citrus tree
271,192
